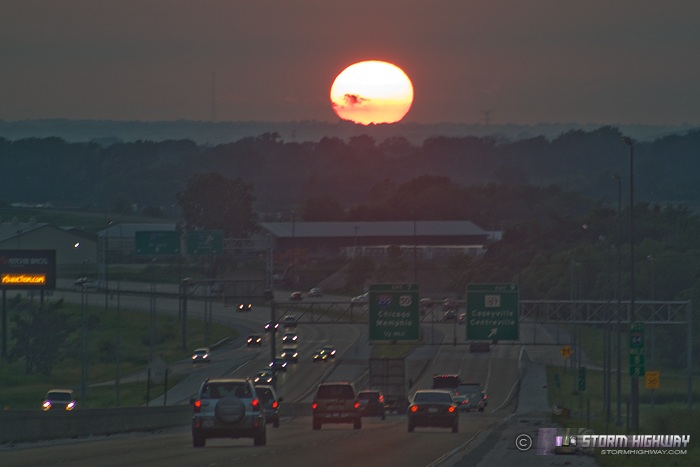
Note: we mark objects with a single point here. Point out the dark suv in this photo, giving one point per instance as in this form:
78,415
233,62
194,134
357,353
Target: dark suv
372,403
336,402
228,408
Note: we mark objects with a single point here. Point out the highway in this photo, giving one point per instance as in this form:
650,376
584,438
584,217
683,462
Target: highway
378,443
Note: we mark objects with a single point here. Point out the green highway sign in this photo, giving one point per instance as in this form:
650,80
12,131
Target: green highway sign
155,242
636,349
492,312
394,313
205,242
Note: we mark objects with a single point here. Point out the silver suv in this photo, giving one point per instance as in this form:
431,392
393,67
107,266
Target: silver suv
228,408
336,402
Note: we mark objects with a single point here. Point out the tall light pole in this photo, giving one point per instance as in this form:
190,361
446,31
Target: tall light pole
618,419
634,381
109,223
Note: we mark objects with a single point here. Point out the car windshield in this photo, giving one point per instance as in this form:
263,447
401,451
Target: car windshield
59,396
369,395
433,397
335,391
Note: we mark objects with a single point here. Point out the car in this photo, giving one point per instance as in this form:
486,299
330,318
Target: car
360,299
264,376
462,403
330,350
336,402
450,315
228,408
290,338
372,403
320,355
278,364
241,307
254,340
448,381
84,283
474,401
290,322
474,396
315,292
433,408
269,325
290,354
201,355
449,304
271,401
59,399
296,296
461,318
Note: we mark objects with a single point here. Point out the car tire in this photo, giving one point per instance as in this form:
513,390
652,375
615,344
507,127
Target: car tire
316,424
229,410
358,423
198,441
276,423
455,426
260,438
383,415
410,427
481,409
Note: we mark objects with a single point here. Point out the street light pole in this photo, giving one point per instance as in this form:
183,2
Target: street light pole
634,380
618,419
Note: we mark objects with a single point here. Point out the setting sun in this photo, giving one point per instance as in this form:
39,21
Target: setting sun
372,92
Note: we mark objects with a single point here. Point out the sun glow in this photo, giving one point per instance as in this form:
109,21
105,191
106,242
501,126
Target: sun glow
372,92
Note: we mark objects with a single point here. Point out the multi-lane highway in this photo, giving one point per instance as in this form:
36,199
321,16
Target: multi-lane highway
378,443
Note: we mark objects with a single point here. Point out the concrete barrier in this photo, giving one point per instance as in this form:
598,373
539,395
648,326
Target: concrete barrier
29,425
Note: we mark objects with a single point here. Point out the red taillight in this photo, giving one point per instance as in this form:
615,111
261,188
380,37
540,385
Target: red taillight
381,399
357,404
451,409
314,406
275,404
197,406
256,405
414,408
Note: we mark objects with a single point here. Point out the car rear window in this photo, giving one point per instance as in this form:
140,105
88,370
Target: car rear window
432,397
335,391
217,390
369,395
265,394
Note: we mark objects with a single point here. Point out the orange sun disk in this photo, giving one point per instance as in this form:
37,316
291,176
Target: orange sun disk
372,92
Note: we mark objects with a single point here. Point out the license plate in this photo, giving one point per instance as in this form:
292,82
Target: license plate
208,423
432,410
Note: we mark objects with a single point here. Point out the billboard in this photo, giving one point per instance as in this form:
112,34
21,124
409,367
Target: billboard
28,269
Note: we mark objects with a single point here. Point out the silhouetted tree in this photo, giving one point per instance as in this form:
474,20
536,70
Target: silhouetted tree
212,201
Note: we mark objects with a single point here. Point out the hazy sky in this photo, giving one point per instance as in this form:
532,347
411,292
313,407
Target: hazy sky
524,61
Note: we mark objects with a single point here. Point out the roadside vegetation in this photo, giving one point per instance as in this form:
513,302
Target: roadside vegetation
46,351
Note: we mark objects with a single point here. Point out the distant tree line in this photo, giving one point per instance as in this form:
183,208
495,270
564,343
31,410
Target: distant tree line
289,176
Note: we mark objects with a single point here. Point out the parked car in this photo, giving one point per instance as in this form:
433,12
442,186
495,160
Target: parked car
336,402
254,340
433,408
228,408
372,403
201,355
59,399
315,292
271,401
